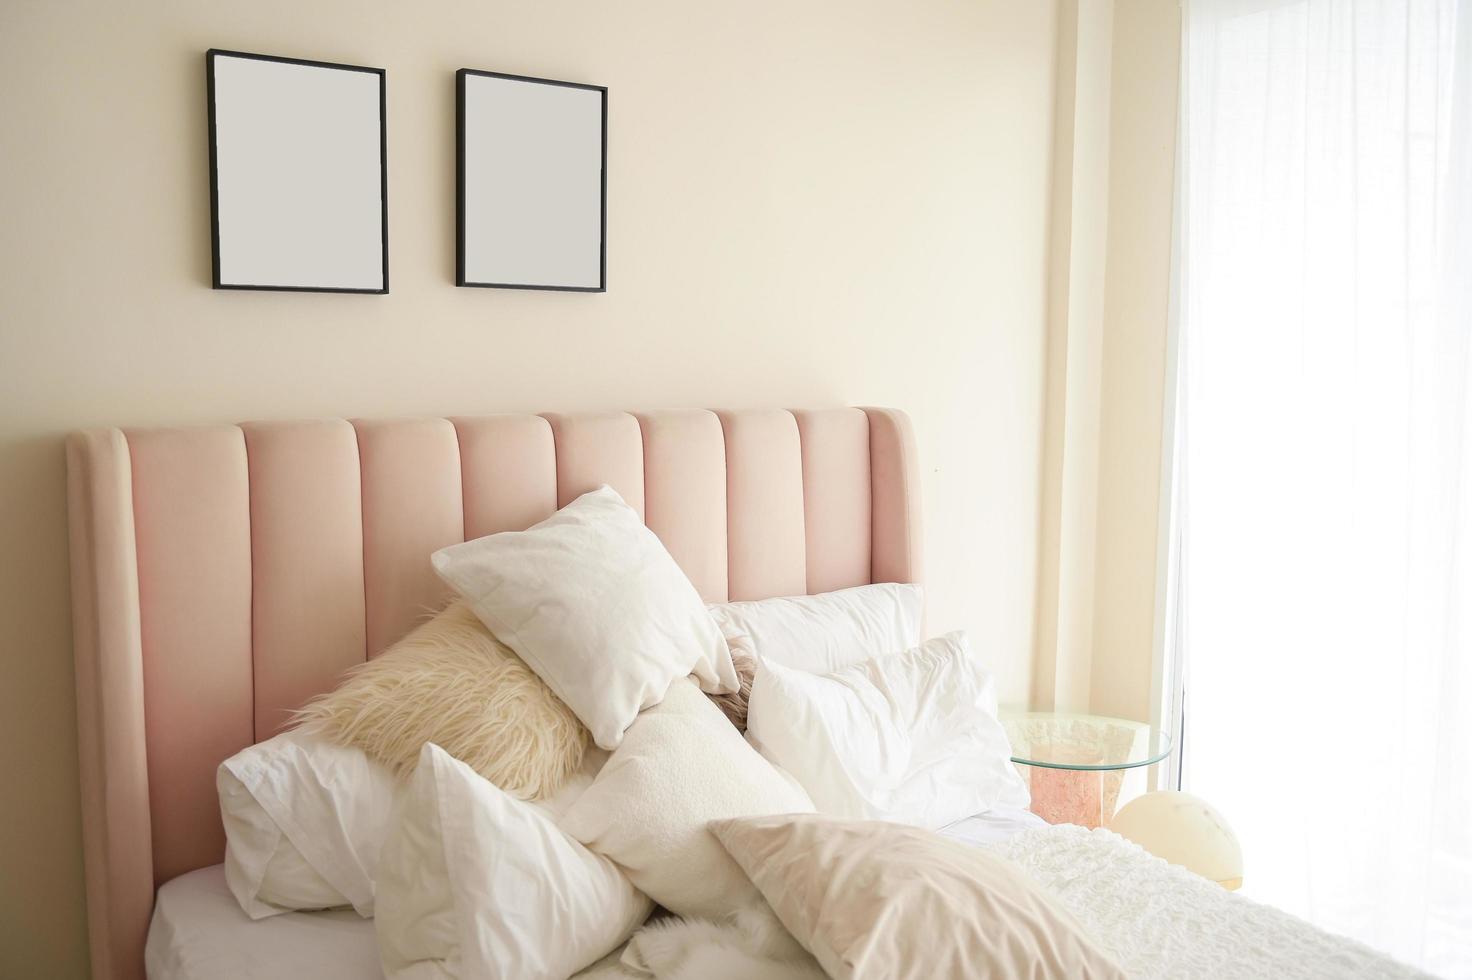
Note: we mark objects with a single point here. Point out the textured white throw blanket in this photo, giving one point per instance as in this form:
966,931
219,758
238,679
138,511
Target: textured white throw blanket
1156,919
1159,920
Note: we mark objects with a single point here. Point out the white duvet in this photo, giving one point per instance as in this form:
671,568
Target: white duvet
1160,920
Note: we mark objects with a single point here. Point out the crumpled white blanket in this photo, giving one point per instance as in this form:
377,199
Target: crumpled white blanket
1157,921
748,944
1160,920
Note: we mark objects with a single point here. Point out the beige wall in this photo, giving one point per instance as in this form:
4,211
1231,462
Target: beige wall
810,204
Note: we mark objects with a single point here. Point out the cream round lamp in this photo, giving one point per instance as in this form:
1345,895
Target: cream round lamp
1185,830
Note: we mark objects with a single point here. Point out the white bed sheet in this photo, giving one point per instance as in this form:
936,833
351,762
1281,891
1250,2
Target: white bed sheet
993,826
200,933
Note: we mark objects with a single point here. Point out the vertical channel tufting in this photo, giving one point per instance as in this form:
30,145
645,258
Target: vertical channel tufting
764,505
894,478
685,493
191,511
836,499
508,472
411,508
595,449
306,530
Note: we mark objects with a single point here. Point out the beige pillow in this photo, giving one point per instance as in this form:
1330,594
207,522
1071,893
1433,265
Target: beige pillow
881,900
452,683
680,766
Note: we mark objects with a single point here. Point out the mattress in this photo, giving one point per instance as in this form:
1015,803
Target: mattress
200,933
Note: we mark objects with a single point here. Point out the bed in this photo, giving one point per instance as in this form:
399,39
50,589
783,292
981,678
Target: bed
193,550
200,933
224,575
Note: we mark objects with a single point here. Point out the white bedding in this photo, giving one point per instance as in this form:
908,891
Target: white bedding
994,826
1161,921
1157,920
200,933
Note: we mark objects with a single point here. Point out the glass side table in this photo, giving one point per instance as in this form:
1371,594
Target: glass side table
1079,768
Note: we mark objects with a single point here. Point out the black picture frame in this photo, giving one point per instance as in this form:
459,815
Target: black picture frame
217,280
460,179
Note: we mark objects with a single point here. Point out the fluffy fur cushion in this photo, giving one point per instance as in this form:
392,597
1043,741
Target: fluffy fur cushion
452,683
734,705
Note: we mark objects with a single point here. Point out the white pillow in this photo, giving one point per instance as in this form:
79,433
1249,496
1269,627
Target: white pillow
476,883
304,820
593,603
911,738
827,632
681,765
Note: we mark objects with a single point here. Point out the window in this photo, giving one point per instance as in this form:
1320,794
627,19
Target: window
1323,598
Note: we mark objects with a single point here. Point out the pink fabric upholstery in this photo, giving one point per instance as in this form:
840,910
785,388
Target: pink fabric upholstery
896,549
508,472
191,513
764,505
836,497
306,531
107,641
596,449
411,508
223,575
685,494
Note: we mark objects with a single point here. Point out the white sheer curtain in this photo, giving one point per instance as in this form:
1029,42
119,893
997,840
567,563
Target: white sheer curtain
1325,460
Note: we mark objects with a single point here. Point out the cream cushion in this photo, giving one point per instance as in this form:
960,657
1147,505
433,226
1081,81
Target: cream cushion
882,901
681,765
593,603
452,683
475,883
911,737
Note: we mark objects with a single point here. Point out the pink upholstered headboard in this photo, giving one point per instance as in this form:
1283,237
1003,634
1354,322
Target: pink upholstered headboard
223,575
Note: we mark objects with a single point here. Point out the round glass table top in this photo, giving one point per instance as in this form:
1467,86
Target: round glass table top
1061,740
